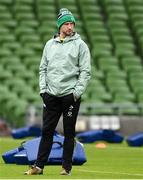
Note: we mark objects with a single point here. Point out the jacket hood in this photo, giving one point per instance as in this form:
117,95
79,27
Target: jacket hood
68,38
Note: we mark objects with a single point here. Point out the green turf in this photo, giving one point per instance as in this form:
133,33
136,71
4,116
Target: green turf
117,161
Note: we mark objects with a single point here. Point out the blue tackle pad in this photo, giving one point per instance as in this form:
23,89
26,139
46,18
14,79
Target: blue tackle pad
26,132
135,139
27,154
99,135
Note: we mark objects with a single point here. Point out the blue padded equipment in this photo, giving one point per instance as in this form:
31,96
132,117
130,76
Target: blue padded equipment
8,157
111,136
21,157
28,153
89,136
26,132
99,135
135,139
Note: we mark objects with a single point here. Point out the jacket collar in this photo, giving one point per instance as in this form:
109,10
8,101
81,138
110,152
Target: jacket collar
68,38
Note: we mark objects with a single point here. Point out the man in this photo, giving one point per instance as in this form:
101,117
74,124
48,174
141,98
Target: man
64,75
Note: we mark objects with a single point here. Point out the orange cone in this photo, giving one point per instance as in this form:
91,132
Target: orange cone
101,145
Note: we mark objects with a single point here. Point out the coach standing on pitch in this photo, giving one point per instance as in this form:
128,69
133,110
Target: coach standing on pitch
64,75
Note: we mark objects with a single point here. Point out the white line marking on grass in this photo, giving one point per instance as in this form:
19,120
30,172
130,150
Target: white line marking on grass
103,172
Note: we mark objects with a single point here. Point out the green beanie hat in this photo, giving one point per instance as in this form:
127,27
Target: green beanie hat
64,16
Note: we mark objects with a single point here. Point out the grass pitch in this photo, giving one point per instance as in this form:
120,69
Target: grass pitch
116,161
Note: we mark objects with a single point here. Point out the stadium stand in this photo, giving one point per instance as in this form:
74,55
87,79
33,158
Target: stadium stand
113,31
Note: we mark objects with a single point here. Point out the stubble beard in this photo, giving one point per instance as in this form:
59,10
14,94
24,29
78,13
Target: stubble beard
69,32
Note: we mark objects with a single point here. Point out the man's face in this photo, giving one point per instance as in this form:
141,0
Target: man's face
67,28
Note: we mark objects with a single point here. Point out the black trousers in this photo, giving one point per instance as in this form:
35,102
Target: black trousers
52,110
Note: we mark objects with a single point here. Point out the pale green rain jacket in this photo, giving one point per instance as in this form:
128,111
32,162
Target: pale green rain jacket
65,67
